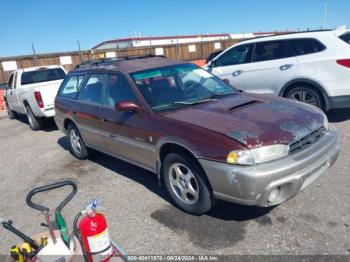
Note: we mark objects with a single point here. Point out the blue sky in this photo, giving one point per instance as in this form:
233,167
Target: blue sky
57,25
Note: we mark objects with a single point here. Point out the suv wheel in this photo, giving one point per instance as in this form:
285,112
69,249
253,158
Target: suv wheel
76,143
11,114
306,95
35,123
186,184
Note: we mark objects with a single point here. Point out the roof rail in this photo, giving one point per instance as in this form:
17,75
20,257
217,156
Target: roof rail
113,60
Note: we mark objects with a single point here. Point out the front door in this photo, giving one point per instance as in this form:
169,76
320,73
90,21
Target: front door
124,132
231,65
11,93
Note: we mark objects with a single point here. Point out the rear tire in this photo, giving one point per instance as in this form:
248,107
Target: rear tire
11,114
306,94
76,143
186,184
35,123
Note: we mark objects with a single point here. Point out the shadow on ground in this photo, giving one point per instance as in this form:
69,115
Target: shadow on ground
49,123
223,226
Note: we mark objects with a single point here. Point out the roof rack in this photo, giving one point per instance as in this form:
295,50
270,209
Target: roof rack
292,33
113,60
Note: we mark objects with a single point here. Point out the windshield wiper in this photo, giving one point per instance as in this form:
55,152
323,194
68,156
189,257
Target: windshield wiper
182,103
213,95
208,99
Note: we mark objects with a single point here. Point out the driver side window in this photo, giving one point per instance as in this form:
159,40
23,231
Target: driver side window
10,84
236,56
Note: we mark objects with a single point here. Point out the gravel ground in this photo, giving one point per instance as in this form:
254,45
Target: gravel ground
140,216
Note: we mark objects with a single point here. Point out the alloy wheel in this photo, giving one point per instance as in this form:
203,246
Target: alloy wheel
304,96
183,183
75,141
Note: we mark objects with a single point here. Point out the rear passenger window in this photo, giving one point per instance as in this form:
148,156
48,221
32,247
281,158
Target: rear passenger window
306,46
271,50
70,86
117,89
92,90
345,37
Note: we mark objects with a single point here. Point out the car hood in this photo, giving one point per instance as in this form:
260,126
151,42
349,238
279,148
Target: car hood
253,120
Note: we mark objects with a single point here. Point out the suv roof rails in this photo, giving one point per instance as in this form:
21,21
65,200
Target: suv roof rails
113,60
292,33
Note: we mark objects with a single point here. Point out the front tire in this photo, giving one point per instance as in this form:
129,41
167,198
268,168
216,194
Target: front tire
76,143
186,184
11,114
306,95
35,123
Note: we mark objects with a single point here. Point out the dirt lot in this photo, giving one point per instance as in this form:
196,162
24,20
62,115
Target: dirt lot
143,221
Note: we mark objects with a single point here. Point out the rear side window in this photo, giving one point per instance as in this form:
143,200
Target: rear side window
70,86
42,75
306,46
235,56
91,91
345,37
265,51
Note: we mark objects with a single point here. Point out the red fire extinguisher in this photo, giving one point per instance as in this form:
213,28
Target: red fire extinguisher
94,235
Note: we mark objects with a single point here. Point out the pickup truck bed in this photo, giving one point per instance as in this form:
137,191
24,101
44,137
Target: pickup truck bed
32,92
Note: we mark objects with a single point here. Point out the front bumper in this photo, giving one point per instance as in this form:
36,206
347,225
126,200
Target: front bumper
337,102
252,185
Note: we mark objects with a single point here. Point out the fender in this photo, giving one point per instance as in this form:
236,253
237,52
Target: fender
310,82
170,140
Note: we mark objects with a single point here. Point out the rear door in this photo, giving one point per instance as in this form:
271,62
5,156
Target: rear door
231,65
86,110
124,132
273,65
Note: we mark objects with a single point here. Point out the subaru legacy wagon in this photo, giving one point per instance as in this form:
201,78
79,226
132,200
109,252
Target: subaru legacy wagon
203,138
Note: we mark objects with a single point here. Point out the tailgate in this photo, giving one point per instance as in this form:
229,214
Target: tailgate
48,91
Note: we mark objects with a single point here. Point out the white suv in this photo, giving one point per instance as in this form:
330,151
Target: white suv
312,67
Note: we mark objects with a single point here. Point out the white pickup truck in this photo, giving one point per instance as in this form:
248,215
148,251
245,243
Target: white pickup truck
32,91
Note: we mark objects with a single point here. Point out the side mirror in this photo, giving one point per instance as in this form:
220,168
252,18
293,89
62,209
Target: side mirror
212,63
128,106
226,81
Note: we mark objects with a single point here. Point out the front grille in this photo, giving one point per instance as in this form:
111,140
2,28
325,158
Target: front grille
306,141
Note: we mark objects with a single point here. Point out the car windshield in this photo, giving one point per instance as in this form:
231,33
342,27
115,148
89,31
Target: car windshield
168,88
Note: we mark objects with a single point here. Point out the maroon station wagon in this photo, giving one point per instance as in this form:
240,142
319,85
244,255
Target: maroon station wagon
203,138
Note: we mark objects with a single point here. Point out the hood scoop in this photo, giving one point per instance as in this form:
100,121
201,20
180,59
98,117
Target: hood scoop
240,106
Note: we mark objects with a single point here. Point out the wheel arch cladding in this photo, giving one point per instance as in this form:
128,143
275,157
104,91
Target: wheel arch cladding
306,82
67,122
168,148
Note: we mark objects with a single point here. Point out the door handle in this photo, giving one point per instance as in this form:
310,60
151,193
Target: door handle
104,120
285,67
237,73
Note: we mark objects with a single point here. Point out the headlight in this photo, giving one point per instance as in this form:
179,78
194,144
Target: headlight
325,122
257,155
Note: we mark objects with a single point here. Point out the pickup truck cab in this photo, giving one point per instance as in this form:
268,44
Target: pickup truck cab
32,91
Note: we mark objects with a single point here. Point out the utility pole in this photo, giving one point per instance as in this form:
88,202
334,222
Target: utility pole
34,55
79,50
325,3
